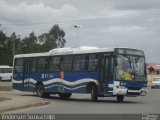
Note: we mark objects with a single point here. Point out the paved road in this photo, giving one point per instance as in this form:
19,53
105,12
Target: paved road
81,104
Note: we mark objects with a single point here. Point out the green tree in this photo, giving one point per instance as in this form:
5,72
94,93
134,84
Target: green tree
29,44
12,45
4,50
15,43
53,39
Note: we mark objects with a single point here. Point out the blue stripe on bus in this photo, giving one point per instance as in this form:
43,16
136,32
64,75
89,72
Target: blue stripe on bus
138,84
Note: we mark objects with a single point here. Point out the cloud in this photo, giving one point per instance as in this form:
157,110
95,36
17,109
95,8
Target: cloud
134,5
33,13
124,29
106,23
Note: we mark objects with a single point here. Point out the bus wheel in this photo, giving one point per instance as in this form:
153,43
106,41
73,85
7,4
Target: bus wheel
94,93
65,95
40,90
46,95
120,98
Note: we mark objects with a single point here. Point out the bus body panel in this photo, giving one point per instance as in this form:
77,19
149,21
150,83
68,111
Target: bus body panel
72,82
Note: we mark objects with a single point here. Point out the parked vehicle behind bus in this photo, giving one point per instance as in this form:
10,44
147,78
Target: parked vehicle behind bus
156,82
5,73
102,72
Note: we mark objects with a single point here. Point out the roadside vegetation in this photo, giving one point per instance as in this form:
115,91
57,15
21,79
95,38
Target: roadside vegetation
15,44
5,88
4,99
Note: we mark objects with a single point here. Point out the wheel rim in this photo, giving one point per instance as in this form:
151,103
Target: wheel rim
39,91
92,93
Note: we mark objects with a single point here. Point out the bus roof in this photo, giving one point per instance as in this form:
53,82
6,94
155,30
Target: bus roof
68,50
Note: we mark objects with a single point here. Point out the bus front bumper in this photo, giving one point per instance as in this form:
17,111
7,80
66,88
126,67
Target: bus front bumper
127,92
136,92
6,78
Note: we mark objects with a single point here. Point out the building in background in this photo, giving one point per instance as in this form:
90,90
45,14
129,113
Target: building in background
153,71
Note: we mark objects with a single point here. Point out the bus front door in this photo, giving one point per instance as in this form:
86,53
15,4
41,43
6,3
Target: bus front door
104,74
26,75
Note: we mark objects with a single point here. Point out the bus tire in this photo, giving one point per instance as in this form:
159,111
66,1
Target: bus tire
40,90
120,98
94,93
46,95
65,95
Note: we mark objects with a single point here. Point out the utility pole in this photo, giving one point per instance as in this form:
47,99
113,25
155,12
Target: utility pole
13,47
77,27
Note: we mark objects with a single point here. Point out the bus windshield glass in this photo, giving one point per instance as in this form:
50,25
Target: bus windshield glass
130,67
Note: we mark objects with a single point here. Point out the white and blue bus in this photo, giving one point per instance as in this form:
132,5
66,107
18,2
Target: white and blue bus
102,72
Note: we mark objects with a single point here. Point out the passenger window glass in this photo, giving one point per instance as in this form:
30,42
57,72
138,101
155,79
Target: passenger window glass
54,64
79,63
66,63
92,62
42,65
34,64
18,65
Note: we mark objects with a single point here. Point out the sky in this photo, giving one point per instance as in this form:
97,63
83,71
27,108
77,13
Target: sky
102,23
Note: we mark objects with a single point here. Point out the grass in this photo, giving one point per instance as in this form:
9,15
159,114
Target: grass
4,99
5,88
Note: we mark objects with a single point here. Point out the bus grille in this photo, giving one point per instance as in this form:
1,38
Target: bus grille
134,88
133,93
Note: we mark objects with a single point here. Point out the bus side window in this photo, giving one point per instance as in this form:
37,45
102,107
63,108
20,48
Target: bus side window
42,64
79,63
34,64
18,67
92,63
66,63
54,64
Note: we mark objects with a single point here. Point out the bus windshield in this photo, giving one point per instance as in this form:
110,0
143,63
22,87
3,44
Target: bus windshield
130,67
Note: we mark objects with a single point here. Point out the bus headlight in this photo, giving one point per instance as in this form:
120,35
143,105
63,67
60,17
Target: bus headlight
120,90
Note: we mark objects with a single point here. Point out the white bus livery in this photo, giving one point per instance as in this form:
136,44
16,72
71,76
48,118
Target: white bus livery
5,73
102,72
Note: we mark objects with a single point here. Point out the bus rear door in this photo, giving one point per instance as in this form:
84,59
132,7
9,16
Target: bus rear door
26,75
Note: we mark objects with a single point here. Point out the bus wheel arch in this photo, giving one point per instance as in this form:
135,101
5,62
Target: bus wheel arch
89,86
